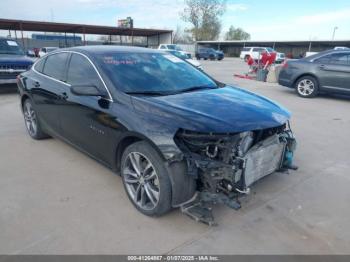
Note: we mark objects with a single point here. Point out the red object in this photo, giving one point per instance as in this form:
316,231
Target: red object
36,51
268,58
285,64
244,76
250,61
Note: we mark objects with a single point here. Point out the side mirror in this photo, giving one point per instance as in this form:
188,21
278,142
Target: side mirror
87,90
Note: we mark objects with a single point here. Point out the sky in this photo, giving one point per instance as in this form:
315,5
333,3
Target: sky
264,20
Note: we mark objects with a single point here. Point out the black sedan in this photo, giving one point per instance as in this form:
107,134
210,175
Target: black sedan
327,72
176,136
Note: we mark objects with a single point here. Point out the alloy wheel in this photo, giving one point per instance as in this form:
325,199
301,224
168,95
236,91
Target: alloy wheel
30,119
306,87
141,180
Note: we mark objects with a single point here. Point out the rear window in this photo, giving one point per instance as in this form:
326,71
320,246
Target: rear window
39,66
55,66
246,49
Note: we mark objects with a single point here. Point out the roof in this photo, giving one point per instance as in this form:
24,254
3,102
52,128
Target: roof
272,41
101,49
37,26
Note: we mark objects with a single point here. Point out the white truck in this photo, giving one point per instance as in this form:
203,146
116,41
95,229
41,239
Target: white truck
254,52
165,47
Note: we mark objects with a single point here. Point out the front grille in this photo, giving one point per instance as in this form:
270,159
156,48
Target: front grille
10,71
14,67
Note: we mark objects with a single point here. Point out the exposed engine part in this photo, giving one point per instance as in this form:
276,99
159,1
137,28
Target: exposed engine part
245,191
226,164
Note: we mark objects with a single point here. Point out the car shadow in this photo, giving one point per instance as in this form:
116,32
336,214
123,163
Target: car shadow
344,97
8,89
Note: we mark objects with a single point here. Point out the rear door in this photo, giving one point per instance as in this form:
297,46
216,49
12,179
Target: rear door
334,71
85,119
47,85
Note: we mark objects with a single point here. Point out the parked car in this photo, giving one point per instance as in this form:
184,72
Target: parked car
255,52
185,57
209,53
44,50
13,61
157,123
327,71
174,47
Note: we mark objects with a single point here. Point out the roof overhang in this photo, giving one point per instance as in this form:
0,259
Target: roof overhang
37,26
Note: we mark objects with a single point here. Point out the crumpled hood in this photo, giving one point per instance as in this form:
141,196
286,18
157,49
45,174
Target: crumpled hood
219,110
15,59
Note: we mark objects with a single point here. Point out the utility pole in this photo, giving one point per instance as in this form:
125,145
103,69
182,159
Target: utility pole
335,28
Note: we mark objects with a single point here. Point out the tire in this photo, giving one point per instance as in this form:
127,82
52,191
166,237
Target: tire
307,87
146,180
32,122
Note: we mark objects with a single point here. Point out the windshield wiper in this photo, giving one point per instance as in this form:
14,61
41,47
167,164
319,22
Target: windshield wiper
155,93
195,88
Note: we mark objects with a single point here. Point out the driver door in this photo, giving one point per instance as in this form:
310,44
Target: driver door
84,119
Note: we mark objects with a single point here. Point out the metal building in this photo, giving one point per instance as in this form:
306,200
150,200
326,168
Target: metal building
290,48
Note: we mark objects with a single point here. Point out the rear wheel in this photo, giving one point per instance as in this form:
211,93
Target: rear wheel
145,179
31,121
306,86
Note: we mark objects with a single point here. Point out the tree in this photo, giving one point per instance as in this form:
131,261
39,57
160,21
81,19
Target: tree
181,36
204,16
236,34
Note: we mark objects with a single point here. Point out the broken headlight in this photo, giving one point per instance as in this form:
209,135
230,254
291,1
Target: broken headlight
217,146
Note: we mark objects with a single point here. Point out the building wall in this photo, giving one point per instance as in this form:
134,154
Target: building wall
155,41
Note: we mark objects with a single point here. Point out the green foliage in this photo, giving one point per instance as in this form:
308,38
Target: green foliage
204,16
236,34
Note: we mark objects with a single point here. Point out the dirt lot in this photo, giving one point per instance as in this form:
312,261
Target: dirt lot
56,200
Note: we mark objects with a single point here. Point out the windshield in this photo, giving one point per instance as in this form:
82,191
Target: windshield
174,47
50,49
178,54
152,73
10,47
270,50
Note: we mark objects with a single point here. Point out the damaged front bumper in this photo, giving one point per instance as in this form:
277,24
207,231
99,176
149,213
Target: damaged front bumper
226,165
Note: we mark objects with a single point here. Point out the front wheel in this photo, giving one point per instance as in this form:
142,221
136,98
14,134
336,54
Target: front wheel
145,179
307,87
32,122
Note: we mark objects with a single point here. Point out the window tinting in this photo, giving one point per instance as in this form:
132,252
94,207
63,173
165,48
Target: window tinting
55,66
340,59
81,72
324,59
39,66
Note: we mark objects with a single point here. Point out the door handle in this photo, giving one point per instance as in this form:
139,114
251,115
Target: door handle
322,67
36,84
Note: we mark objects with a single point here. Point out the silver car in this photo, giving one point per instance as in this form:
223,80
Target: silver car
327,71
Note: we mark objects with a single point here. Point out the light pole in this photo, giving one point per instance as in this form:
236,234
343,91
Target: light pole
335,28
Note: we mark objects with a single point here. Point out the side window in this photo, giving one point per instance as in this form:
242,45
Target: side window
39,66
340,59
324,59
55,66
162,47
81,72
258,49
